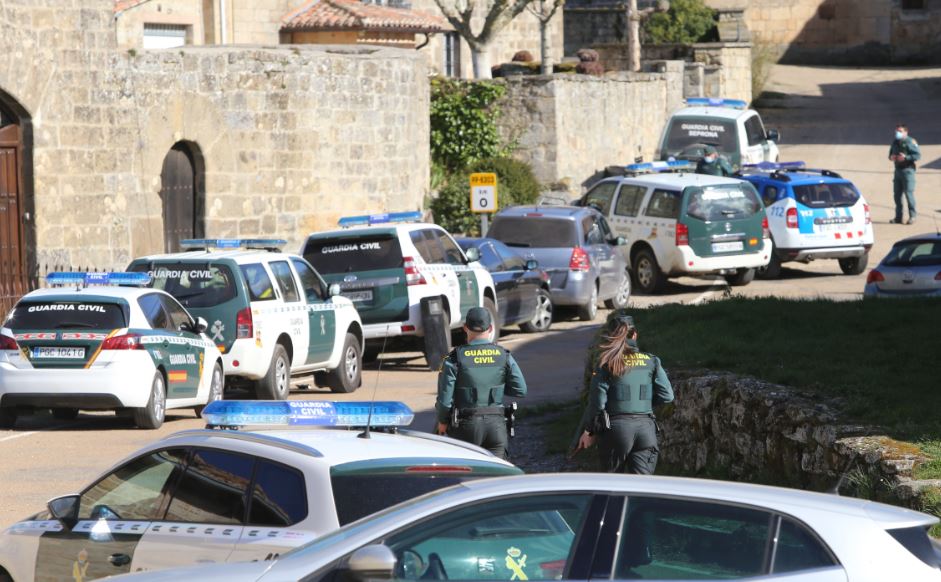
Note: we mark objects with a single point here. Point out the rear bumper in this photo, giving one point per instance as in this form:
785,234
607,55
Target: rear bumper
571,287
253,361
872,290
807,255
117,385
686,261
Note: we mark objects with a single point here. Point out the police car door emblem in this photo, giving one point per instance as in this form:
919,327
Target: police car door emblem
728,227
515,562
217,329
349,278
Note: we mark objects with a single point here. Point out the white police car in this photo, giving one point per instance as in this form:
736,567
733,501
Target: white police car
812,214
270,313
98,346
725,124
387,264
203,496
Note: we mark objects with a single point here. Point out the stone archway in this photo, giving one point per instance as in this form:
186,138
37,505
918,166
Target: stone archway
17,230
183,194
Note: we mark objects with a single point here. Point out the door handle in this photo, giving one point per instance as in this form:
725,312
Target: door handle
119,559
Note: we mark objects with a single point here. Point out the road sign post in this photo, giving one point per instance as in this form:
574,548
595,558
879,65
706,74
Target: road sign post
483,197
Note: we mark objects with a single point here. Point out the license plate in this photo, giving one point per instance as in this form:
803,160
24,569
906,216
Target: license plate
59,353
727,247
358,296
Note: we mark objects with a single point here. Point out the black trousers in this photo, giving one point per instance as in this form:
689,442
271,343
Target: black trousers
484,430
629,446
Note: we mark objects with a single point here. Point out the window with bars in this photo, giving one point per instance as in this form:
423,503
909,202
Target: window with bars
158,36
452,55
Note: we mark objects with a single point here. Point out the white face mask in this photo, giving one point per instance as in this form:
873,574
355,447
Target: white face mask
710,159
899,134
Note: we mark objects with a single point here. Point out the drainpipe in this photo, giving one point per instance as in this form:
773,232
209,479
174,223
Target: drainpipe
223,22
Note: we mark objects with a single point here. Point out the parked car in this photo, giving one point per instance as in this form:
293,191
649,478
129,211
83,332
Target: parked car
726,124
570,526
680,223
523,295
912,268
576,247
230,495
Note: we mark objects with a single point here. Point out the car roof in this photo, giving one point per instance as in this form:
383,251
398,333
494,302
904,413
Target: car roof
730,113
239,256
927,237
384,228
93,292
796,178
547,211
675,179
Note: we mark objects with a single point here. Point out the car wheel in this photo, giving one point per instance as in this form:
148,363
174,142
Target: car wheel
64,413
347,377
770,271
276,385
623,296
542,319
647,273
216,388
492,309
741,277
854,265
588,311
7,417
151,416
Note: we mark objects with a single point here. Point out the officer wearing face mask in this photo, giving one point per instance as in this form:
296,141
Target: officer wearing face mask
904,152
713,164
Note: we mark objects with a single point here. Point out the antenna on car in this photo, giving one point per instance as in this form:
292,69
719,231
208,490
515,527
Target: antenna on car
375,388
835,490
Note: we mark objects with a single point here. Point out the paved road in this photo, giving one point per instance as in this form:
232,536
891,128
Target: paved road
841,119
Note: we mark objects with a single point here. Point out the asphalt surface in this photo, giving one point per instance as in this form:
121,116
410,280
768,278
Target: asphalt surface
841,119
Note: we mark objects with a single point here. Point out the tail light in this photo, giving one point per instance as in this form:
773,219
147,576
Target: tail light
438,469
8,343
765,233
875,277
792,218
682,234
579,260
128,341
868,216
552,570
244,327
936,278
412,275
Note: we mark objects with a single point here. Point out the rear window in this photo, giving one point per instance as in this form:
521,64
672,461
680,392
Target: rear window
722,202
913,254
686,131
65,315
915,540
826,195
345,255
192,284
535,232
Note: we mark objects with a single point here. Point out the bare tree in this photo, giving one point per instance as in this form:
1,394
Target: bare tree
499,13
634,18
544,10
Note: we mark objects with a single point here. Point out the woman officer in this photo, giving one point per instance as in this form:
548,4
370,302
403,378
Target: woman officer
625,386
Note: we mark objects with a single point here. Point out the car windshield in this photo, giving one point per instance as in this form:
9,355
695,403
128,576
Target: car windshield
193,284
356,253
914,253
686,131
65,315
535,231
722,202
827,195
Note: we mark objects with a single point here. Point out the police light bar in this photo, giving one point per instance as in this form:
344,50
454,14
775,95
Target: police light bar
388,217
82,278
716,102
232,243
775,166
236,413
669,166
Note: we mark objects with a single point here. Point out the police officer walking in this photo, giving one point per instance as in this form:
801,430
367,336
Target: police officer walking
472,382
713,164
904,152
625,386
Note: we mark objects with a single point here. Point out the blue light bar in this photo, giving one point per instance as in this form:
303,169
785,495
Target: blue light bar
232,243
388,217
774,166
83,278
233,413
669,166
715,102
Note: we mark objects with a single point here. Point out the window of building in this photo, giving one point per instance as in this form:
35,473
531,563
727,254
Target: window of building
452,55
161,36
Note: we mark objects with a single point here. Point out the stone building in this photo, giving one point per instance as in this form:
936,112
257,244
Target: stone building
108,153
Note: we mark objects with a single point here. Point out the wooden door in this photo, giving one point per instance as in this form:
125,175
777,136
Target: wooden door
14,280
179,196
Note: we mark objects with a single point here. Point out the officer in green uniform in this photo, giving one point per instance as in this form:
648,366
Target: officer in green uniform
713,164
625,386
472,382
904,152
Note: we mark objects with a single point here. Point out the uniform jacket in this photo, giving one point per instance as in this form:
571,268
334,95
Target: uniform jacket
909,148
720,167
477,374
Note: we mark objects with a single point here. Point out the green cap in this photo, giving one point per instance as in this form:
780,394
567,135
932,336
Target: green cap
478,319
623,318
710,151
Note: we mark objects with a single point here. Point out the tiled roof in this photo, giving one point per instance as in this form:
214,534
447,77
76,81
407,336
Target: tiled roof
320,15
122,5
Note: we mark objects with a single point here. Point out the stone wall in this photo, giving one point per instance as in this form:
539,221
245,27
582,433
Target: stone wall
570,127
291,137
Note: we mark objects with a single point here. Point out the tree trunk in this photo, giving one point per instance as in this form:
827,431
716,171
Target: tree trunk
633,36
545,47
480,57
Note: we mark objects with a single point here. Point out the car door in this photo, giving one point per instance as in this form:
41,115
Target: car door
296,318
113,517
757,148
190,355
321,315
526,283
167,346
658,224
205,513
602,254
623,217
468,286
435,270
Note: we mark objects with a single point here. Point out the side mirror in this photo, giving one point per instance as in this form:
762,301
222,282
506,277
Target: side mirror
532,265
620,241
473,254
333,290
774,135
201,325
373,562
65,509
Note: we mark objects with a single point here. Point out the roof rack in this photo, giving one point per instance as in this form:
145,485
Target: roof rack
385,218
273,245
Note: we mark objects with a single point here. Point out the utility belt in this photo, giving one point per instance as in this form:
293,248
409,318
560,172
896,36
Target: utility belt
478,411
508,412
602,422
906,165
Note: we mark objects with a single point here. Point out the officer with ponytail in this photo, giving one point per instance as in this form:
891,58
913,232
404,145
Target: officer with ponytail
625,386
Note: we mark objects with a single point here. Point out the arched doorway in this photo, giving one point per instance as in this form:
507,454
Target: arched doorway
182,193
17,234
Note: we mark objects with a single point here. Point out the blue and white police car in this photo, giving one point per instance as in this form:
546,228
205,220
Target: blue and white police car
812,214
222,495
88,343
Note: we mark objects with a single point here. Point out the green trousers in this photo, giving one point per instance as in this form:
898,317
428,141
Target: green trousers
904,183
629,446
484,430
